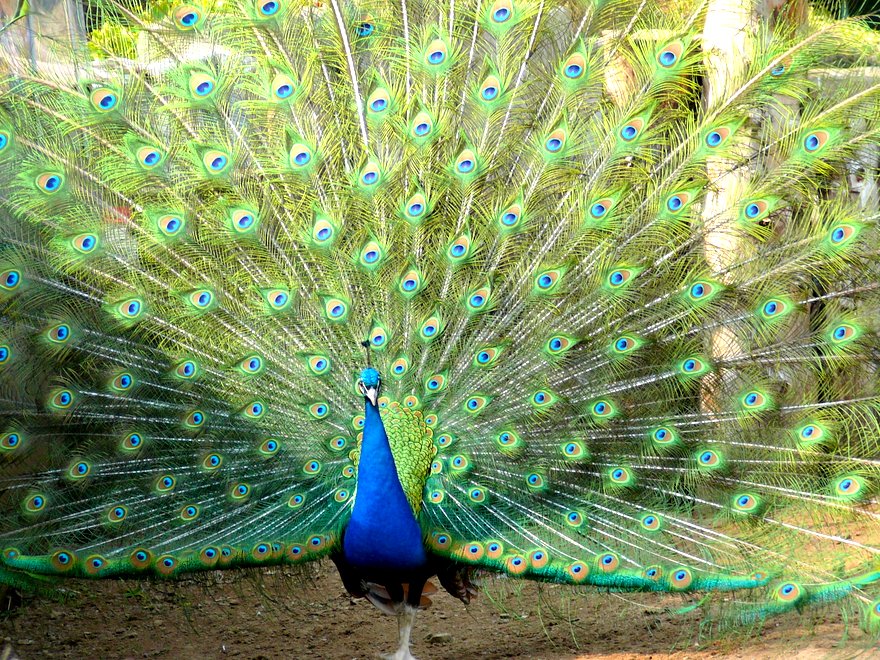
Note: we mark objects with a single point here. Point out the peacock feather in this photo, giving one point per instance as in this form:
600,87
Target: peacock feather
571,291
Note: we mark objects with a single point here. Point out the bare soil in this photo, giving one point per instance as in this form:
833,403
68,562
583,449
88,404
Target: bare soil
276,614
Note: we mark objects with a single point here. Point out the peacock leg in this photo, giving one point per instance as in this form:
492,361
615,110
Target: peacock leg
405,621
406,618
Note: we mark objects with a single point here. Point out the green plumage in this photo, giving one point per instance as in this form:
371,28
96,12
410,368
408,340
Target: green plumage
622,299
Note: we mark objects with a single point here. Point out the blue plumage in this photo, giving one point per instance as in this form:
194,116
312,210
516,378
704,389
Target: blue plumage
383,533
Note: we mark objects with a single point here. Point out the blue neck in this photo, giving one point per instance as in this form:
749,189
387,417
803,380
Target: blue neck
383,533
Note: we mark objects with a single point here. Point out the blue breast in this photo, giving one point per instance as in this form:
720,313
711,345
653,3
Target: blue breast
383,533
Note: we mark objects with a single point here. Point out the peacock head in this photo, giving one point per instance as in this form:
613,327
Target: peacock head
369,384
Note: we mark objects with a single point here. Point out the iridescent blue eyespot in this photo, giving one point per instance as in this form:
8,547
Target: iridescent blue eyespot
422,129
667,58
489,93
436,57
416,209
218,163
370,177
269,8
501,14
554,144
713,139
466,165
458,250
378,105
811,143
365,29
629,132
697,290
573,70
598,210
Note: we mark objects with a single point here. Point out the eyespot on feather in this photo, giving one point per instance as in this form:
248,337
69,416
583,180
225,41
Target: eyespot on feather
104,99
670,55
632,129
187,17
50,182
202,85
490,90
574,67
215,161
171,225
436,53
459,249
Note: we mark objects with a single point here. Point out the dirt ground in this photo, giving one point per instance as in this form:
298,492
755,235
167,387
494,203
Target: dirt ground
273,615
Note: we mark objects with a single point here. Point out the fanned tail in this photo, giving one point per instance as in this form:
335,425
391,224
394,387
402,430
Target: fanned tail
620,277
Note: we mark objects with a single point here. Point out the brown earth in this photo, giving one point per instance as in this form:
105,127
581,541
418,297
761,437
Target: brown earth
269,615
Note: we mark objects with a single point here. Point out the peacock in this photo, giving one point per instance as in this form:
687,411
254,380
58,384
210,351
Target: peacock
577,291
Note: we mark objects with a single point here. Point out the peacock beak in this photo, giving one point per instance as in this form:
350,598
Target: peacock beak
372,393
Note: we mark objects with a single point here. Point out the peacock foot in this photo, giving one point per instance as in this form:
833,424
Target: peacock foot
399,654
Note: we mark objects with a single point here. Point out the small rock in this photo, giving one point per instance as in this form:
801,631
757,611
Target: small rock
438,638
